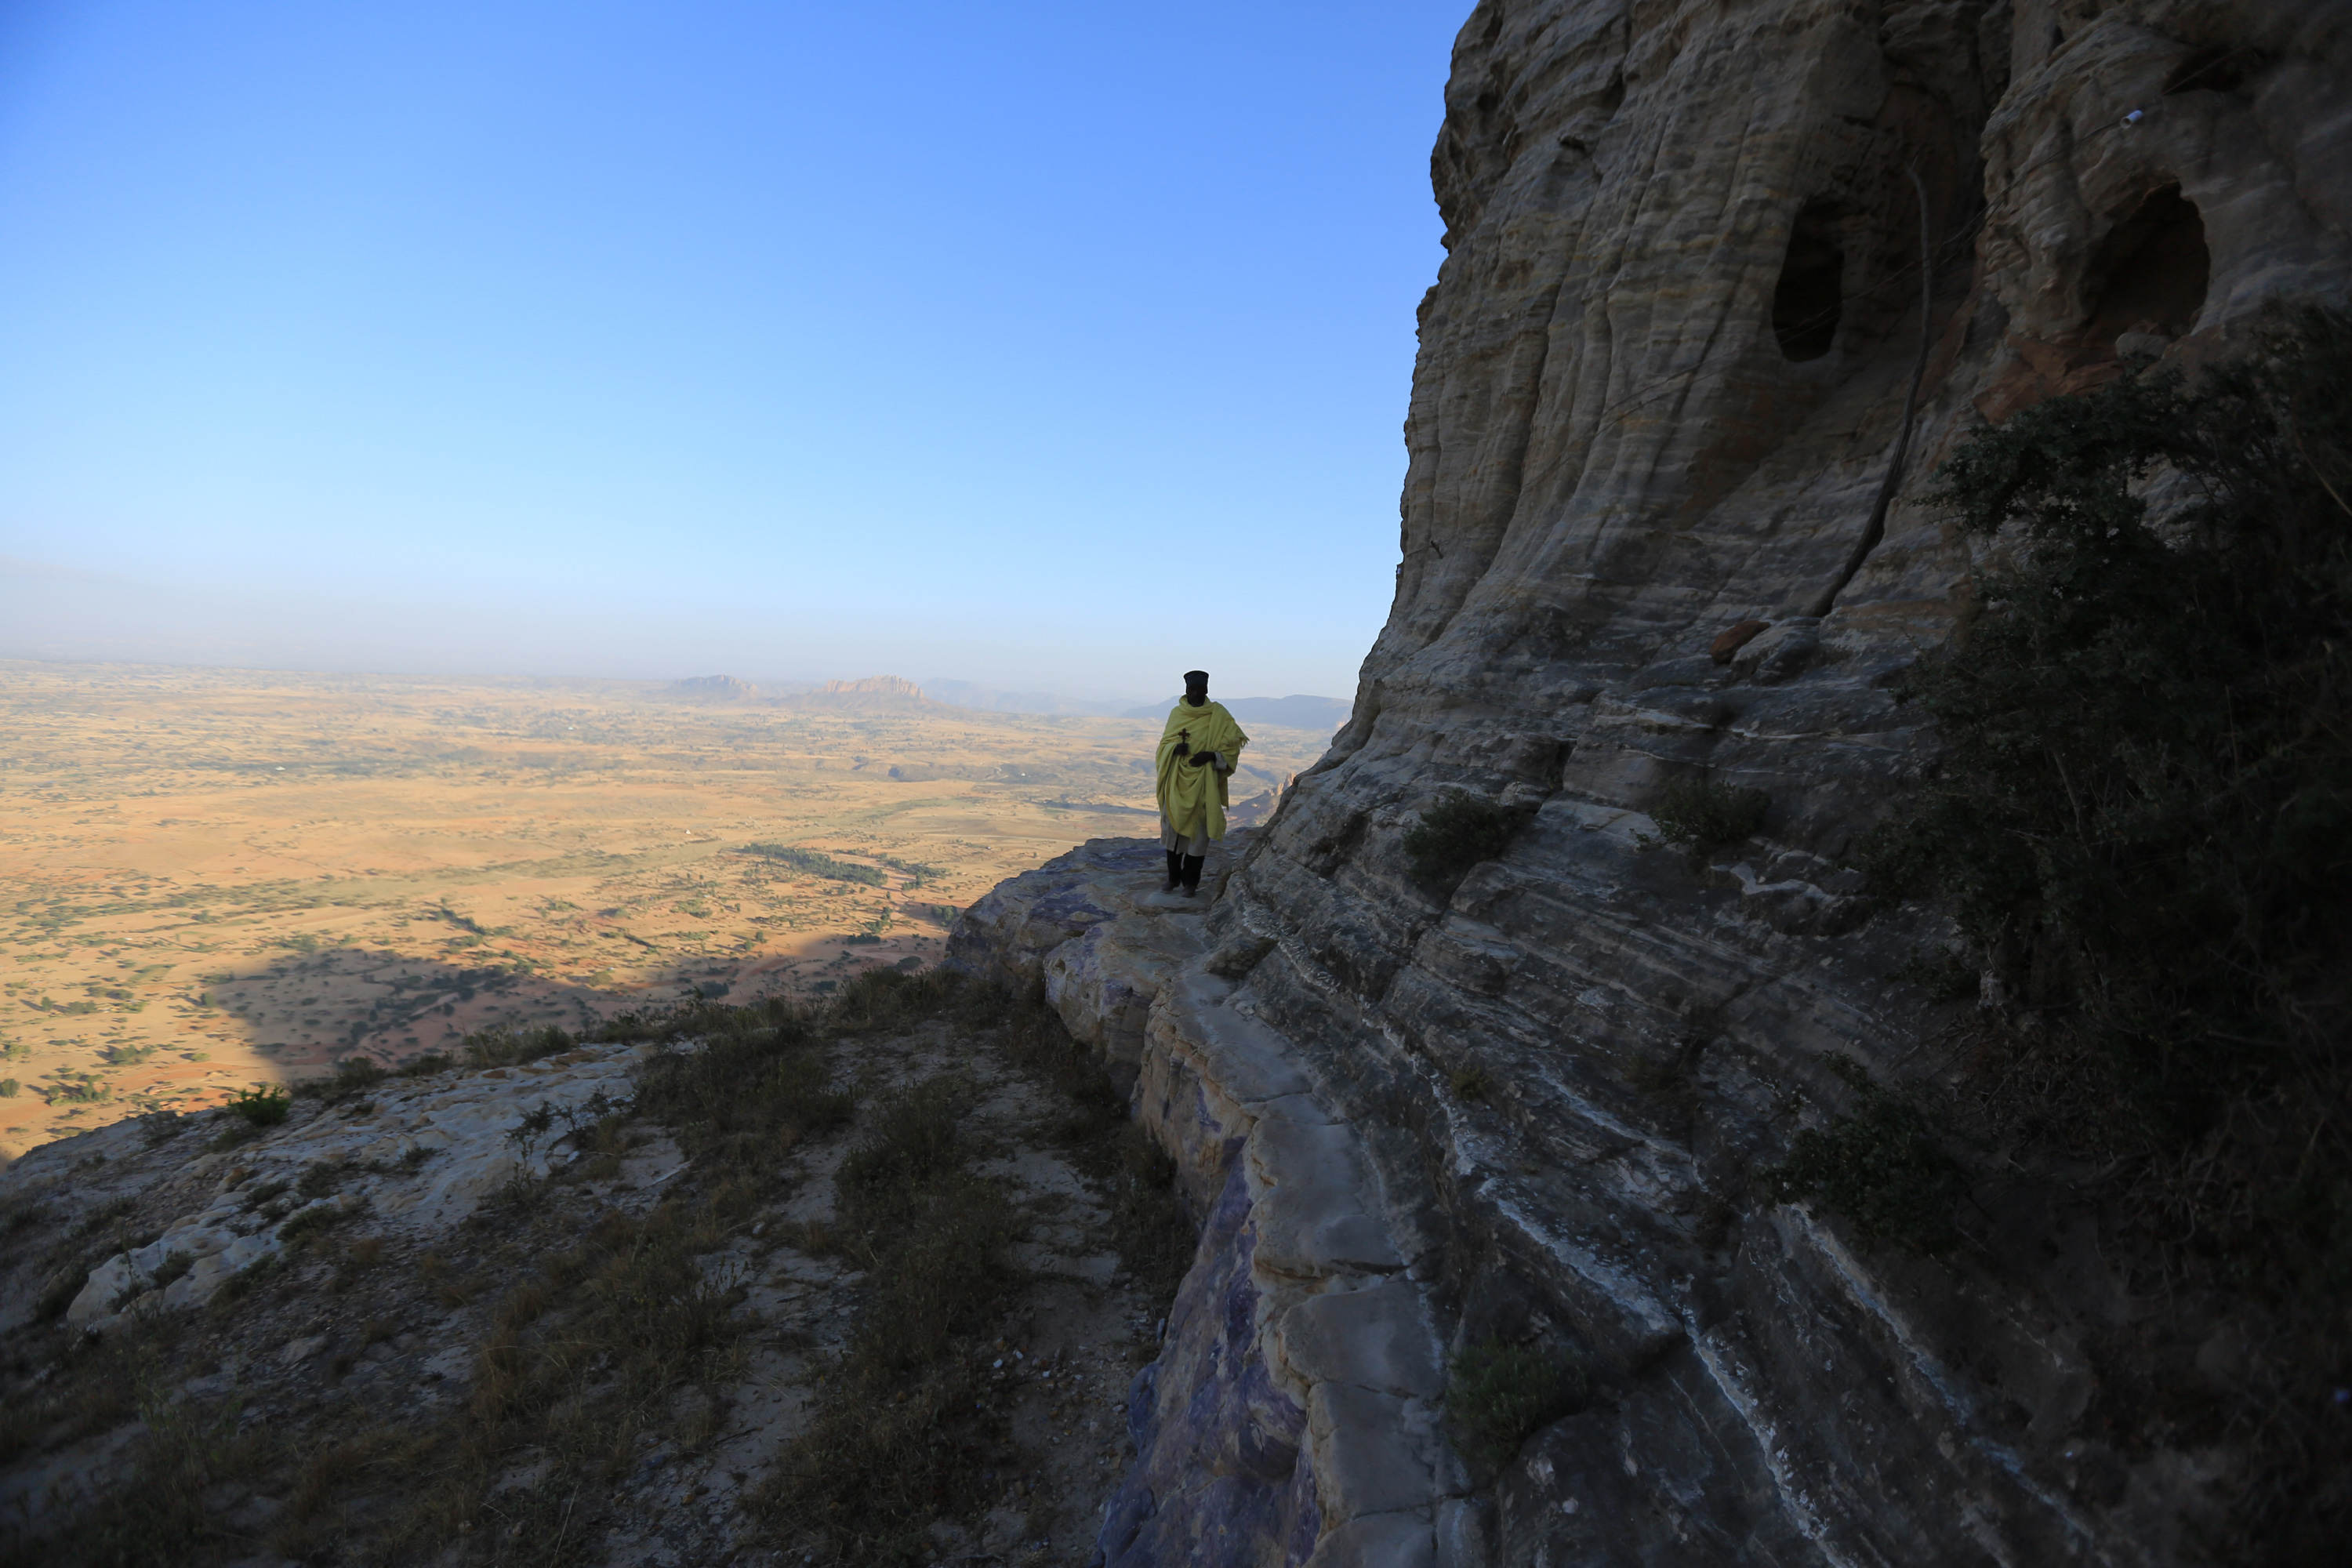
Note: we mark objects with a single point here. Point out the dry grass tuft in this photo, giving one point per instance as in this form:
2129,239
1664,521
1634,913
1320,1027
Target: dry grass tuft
901,1434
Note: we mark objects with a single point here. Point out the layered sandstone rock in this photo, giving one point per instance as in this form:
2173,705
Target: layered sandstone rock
1660,378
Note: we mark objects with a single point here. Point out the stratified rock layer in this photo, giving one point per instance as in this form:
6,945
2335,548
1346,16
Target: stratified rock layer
1660,378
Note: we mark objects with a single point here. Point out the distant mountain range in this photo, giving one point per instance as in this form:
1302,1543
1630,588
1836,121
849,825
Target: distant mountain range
892,693
878,692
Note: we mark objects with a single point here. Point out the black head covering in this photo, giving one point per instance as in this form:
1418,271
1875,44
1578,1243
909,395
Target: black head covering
1196,681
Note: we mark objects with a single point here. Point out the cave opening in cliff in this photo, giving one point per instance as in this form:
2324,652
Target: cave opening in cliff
2215,70
2152,270
1811,295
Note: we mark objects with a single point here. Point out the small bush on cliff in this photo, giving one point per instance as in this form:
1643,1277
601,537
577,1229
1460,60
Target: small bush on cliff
1503,1395
505,1047
2142,824
1881,1168
263,1105
350,1078
2143,811
1699,818
1455,833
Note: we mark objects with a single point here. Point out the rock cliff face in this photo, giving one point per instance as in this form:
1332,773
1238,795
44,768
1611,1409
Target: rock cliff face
1660,379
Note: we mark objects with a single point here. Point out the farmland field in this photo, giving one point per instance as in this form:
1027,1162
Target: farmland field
214,877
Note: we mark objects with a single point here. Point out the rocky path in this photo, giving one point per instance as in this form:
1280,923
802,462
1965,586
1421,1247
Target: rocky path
619,1304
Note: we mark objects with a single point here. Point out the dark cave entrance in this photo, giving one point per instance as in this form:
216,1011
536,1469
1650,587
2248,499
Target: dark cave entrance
2153,269
2216,70
1810,296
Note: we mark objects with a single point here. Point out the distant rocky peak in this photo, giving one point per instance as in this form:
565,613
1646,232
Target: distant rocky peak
875,691
714,689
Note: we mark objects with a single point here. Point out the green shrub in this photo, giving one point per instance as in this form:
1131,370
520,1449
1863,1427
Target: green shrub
1699,818
260,1193
263,1105
504,1047
2142,822
78,1088
350,1077
260,1271
320,1178
816,864
309,1222
1457,833
914,1139
890,999
9,1087
1880,1168
752,1090
2143,814
1503,1395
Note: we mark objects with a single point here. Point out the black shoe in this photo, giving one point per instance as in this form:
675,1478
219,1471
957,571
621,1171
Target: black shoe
1192,874
1175,871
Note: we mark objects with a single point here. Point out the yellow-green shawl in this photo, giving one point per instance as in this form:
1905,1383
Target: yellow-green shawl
1188,795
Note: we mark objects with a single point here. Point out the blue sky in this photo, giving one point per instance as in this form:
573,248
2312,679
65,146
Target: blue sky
1043,345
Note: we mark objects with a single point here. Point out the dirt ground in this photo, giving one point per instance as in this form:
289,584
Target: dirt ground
214,877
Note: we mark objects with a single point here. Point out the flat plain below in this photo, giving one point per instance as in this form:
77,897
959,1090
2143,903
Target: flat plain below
214,877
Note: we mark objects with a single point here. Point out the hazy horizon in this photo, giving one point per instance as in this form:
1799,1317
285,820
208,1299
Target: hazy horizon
951,688
1058,349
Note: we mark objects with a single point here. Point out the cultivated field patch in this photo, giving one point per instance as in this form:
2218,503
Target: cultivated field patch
214,877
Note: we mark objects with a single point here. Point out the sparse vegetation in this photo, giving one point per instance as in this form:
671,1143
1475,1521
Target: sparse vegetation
1155,1238
319,1179
1502,1395
598,1343
2142,825
815,863
1881,1168
260,1193
180,1450
505,1047
351,1079
1701,817
1472,1081
263,1105
309,1222
1455,833
246,1280
900,1434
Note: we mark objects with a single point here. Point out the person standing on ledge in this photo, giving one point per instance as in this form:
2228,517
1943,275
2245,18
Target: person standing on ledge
1199,750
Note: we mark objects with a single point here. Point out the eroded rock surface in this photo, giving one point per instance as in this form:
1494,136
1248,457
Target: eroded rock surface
321,1388
1660,380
